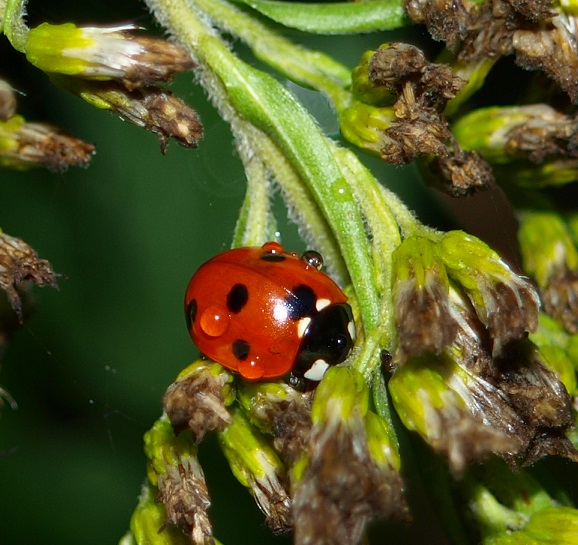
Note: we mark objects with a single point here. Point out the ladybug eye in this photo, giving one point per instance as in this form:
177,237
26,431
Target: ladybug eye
313,259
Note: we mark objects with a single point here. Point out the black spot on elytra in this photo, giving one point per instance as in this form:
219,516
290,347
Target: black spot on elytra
237,298
272,257
241,349
301,302
191,312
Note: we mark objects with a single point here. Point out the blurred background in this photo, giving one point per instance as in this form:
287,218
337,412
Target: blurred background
89,367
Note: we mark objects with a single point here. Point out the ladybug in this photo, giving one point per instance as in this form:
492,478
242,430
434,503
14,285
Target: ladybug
266,313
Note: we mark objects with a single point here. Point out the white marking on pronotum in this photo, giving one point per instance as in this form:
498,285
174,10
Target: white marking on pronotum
351,329
320,304
317,370
302,326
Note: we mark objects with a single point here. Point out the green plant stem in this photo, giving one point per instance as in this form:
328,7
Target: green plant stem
13,23
256,223
308,68
301,206
264,102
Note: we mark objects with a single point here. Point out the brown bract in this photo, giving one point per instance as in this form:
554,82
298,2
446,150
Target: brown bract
540,37
20,264
560,298
40,144
157,60
342,488
183,491
539,399
197,403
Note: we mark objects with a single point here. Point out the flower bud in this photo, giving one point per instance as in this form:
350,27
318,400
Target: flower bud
256,466
175,470
451,410
102,53
19,264
348,478
424,321
25,145
550,256
147,519
278,409
152,108
199,398
505,303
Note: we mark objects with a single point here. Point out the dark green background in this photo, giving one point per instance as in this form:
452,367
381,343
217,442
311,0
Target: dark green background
90,365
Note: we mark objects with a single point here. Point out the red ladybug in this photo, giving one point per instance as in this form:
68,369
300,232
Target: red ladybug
264,313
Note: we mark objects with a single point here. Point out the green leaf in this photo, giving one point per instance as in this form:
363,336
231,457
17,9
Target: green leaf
334,18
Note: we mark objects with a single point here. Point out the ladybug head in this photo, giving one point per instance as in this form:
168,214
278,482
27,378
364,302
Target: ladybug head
327,341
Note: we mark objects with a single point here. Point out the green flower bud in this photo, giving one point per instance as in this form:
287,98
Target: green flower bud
533,145
364,89
199,398
549,254
505,303
105,53
452,410
175,470
257,467
488,130
363,125
26,145
423,317
278,409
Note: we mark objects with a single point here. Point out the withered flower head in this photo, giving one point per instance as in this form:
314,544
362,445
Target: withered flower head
198,399
551,46
152,108
351,473
25,145
19,264
101,53
412,125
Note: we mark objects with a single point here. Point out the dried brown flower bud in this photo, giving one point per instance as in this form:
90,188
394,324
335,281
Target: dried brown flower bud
197,399
19,263
27,145
152,108
551,47
174,470
183,491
